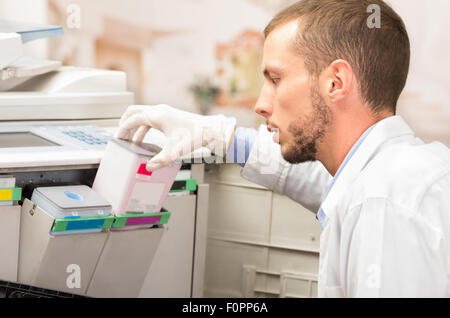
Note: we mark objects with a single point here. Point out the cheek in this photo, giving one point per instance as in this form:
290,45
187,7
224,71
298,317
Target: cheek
290,104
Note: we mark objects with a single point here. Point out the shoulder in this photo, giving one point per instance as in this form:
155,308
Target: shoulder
404,173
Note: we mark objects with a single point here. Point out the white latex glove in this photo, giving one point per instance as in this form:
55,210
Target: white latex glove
185,131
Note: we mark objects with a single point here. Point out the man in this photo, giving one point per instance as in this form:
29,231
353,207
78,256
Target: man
332,82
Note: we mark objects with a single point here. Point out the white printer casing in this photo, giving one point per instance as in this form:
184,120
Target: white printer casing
67,93
11,44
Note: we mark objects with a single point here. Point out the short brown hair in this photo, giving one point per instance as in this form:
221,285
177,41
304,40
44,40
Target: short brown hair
338,29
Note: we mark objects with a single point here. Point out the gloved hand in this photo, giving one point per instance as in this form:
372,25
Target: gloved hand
185,131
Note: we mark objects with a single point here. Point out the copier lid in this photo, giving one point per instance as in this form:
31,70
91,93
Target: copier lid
30,31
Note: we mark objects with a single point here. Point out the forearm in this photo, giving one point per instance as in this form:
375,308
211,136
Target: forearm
241,145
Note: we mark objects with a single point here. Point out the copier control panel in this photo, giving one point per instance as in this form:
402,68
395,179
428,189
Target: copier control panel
54,137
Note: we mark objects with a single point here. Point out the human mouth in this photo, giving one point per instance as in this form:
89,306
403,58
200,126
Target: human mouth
276,133
276,136
271,128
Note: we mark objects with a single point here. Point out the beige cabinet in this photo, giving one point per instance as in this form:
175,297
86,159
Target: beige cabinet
260,244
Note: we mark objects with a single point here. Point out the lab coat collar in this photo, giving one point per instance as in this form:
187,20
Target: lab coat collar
384,130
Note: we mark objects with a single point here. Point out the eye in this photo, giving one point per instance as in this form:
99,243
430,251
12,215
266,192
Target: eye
275,81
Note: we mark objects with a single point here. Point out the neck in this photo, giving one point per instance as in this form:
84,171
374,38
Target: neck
342,136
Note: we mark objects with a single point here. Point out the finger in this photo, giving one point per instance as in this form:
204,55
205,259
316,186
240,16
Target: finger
132,133
141,132
171,152
126,135
130,111
161,160
132,123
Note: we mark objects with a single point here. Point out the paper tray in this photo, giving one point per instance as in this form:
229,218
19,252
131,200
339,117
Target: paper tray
79,224
141,219
46,260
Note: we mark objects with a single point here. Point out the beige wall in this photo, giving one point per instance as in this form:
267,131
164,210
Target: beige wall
170,63
425,100
27,11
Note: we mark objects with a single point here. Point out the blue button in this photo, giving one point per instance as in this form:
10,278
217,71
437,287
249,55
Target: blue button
73,196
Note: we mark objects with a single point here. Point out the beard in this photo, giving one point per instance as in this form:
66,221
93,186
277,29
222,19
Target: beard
308,131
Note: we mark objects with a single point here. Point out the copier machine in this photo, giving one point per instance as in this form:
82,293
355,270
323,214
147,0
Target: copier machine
55,122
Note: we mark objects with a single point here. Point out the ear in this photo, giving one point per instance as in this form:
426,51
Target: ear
339,80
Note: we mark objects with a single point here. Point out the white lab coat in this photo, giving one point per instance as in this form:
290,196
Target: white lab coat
387,230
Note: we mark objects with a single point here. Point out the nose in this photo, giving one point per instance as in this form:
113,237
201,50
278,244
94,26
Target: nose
263,106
